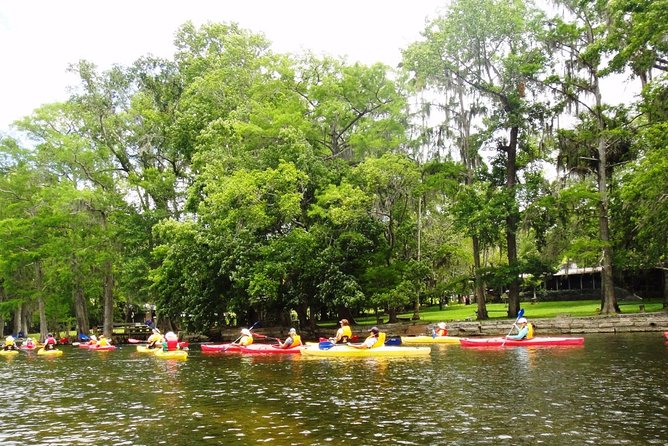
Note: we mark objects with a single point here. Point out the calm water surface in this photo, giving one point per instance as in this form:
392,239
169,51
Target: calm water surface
611,391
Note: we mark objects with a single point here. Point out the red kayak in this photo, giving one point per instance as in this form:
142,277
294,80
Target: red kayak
665,334
97,347
498,342
271,349
220,348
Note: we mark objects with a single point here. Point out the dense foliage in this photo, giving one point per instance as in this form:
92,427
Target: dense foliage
231,184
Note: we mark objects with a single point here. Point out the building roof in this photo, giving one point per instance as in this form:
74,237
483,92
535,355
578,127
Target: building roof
567,270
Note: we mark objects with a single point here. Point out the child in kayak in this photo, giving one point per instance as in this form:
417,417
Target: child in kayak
171,342
30,344
50,342
9,343
441,330
245,339
524,330
293,340
344,333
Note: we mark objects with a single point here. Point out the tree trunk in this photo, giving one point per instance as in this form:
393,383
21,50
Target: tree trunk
608,298
416,307
511,225
478,285
26,317
79,298
43,324
108,320
345,313
2,299
392,315
665,289
18,318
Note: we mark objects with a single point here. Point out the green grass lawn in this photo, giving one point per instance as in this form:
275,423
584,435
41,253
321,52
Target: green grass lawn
580,308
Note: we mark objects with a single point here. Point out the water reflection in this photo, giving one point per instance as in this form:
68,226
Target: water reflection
611,391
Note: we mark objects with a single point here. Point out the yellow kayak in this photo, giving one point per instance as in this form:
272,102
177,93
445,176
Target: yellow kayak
172,354
55,352
383,351
9,353
145,349
410,340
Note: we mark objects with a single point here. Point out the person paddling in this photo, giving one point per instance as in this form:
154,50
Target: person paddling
524,330
50,342
30,344
344,333
155,339
293,340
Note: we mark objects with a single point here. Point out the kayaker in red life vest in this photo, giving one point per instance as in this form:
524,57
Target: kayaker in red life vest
30,344
441,330
344,333
293,340
524,330
369,341
171,342
50,342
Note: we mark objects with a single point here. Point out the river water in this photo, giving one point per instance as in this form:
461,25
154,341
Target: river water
611,391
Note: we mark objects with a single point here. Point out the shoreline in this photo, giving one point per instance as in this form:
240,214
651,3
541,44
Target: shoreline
561,325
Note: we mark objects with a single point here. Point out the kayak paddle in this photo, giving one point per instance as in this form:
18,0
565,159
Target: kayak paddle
325,345
519,315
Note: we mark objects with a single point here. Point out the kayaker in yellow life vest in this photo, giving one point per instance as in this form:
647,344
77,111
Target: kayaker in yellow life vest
246,337
9,343
524,330
441,330
155,339
344,333
374,339
103,342
293,340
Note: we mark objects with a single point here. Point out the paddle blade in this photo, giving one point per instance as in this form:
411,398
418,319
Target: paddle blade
325,345
520,313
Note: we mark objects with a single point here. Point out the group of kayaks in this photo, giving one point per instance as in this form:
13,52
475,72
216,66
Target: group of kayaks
40,351
404,346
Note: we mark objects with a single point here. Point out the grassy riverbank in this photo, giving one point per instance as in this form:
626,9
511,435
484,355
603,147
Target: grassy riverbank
539,310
